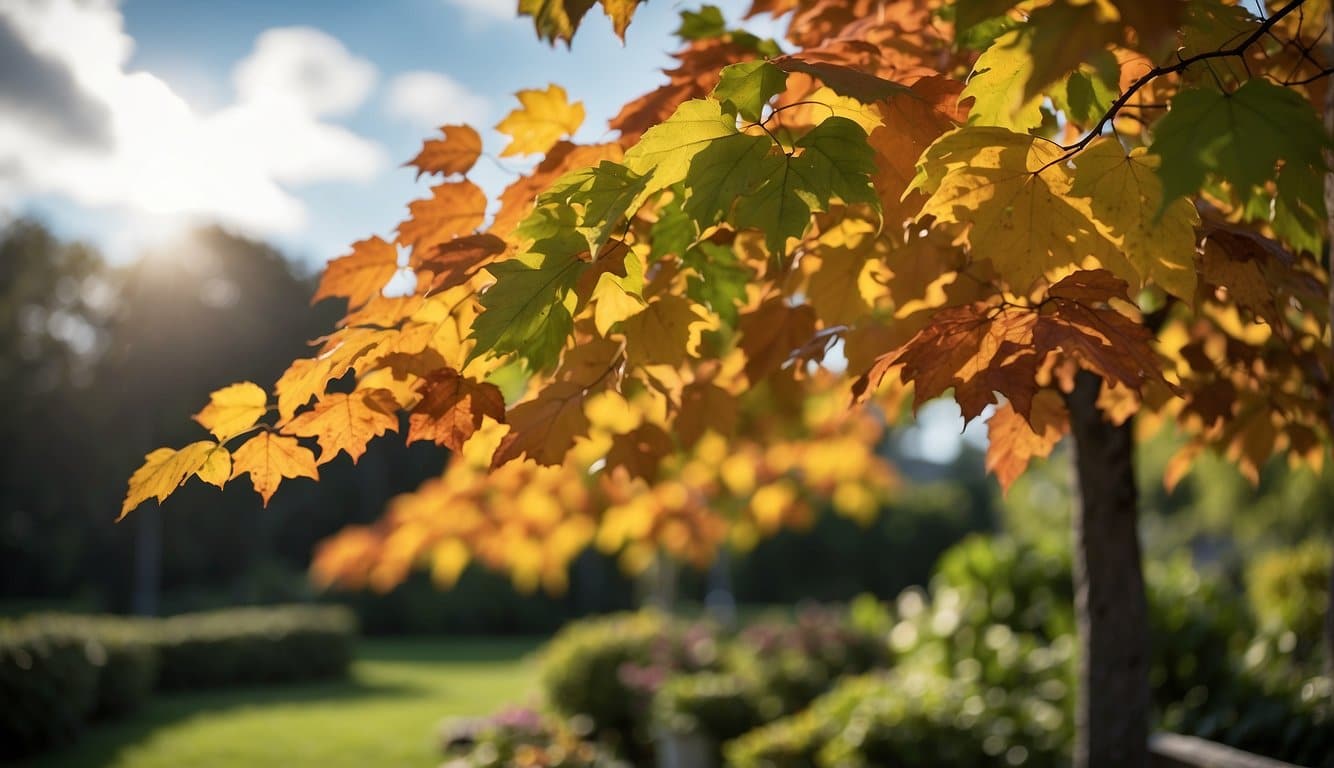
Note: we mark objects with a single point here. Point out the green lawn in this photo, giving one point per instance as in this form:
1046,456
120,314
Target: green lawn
385,715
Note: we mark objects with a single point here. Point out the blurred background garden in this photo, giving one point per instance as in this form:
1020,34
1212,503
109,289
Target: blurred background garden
943,621
916,615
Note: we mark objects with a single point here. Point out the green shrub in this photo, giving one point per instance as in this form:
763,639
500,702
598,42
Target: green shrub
795,660
910,717
1001,580
48,686
716,705
608,668
254,646
1288,591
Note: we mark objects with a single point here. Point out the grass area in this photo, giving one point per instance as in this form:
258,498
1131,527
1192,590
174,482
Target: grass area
384,715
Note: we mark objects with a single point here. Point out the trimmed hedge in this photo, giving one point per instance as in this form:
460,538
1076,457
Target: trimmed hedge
48,687
243,646
59,671
127,672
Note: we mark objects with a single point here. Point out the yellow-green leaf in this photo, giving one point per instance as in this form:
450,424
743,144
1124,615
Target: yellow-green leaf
1125,195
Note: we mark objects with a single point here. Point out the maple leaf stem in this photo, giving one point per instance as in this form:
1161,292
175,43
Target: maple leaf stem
1180,66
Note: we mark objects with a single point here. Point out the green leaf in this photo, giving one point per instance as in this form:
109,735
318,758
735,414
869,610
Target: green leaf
706,23
1089,92
722,172
970,13
527,310
1241,137
746,87
674,232
665,151
839,161
780,206
719,281
599,197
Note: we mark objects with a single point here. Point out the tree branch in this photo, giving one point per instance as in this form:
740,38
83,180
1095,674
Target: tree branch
1181,65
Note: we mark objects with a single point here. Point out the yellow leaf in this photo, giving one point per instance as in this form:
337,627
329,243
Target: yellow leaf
543,119
1125,194
666,331
342,422
165,469
269,458
448,559
834,289
1013,193
348,348
614,302
233,409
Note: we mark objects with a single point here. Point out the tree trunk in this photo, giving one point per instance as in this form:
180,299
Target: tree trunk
1113,703
1329,251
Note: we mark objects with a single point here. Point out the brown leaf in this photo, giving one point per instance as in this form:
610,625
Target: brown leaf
456,261
705,406
771,333
452,408
544,428
640,451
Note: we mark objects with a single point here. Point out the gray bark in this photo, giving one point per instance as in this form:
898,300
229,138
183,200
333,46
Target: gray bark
1113,703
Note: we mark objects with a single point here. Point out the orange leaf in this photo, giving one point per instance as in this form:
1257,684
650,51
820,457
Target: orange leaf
1013,440
456,153
269,458
455,208
342,422
452,409
360,275
913,119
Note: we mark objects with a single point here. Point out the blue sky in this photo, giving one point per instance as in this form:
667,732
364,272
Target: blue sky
358,186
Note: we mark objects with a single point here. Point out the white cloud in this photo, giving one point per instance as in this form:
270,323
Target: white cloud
429,99
306,69
500,10
164,157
